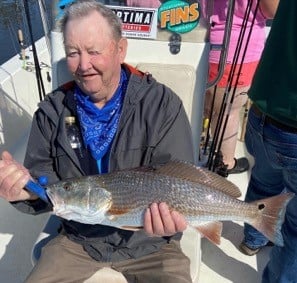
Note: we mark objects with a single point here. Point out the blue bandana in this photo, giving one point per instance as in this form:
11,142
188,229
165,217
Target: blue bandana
100,125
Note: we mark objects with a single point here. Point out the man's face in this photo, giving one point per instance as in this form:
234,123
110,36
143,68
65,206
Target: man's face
93,56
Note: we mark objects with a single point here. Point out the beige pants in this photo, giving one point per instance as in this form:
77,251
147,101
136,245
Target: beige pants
64,261
231,131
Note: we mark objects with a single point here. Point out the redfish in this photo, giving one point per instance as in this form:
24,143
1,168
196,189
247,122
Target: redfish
120,199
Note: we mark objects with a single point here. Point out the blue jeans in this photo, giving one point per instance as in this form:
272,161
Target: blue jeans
275,170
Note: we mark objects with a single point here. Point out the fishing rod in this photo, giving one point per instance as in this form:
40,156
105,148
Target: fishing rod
228,88
41,89
222,62
215,162
239,71
42,9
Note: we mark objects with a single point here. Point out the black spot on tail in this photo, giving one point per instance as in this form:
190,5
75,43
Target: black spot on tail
271,216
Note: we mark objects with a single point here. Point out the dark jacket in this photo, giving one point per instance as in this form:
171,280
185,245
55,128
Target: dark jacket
153,124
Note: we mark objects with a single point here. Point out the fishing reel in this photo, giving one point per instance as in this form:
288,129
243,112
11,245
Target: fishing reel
218,165
215,163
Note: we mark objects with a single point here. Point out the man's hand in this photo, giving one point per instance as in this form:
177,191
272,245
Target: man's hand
160,221
13,178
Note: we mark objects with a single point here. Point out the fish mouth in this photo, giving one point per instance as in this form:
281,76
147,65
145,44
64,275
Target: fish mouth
56,202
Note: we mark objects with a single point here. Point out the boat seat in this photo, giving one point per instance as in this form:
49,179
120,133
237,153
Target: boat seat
190,244
180,78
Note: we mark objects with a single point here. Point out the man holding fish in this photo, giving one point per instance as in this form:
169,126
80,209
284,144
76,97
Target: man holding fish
128,121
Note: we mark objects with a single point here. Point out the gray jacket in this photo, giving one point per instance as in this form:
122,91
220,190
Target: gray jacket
153,124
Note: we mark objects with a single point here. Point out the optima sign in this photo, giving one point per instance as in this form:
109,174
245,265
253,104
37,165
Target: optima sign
140,19
137,22
135,17
178,16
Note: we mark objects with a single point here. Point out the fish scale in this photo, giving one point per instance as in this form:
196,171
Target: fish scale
183,196
120,199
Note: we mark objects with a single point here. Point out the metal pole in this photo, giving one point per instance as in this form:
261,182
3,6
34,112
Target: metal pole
45,25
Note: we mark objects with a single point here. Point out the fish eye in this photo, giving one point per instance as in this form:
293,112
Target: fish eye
261,206
67,186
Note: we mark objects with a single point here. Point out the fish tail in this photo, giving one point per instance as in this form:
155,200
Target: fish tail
271,216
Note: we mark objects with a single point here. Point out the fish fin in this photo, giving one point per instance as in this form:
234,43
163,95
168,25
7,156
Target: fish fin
271,216
212,231
132,228
192,173
114,210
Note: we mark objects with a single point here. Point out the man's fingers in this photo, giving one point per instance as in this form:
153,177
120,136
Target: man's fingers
157,223
168,225
6,156
160,221
13,183
148,227
179,220
13,178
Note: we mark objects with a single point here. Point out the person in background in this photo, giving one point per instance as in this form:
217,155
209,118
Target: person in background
266,10
150,3
271,137
145,4
126,119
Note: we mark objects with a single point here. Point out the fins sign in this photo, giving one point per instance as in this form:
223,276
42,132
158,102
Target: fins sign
178,16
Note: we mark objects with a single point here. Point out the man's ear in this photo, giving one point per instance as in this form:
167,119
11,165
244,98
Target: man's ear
122,48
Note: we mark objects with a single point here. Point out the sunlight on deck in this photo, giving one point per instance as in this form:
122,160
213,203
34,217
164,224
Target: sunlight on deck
4,240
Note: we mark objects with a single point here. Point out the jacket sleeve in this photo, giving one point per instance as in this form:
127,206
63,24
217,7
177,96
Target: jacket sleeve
174,131
38,160
153,126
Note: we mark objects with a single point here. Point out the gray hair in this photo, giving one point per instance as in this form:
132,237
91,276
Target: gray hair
82,8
